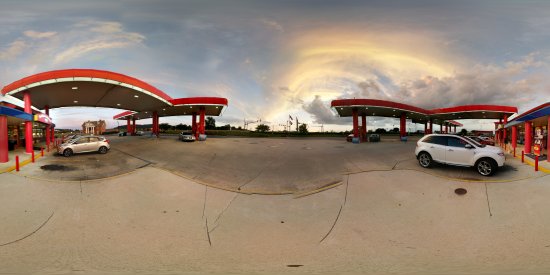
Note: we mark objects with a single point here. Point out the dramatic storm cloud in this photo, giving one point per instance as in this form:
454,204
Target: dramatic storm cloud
273,59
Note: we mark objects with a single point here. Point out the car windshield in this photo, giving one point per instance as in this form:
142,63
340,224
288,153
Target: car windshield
475,142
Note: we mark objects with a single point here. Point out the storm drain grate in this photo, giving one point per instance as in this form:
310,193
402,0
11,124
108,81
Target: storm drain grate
460,191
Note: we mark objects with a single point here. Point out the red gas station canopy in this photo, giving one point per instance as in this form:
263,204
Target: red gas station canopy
97,88
384,108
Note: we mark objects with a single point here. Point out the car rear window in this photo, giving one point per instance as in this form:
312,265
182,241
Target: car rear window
441,140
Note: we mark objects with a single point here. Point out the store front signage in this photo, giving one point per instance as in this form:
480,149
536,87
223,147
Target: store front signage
42,118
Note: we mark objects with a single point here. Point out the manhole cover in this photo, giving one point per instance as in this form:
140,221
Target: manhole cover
460,191
56,167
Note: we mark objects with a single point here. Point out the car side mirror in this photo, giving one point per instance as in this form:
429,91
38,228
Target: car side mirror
468,146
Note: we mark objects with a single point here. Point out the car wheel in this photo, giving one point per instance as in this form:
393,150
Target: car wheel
102,150
67,152
425,160
486,167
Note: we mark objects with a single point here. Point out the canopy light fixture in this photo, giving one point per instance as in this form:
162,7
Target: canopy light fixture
136,96
118,104
74,88
76,101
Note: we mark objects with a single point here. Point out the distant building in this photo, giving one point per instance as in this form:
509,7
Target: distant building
94,127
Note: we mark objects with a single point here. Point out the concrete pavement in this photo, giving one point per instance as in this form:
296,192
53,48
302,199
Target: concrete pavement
153,221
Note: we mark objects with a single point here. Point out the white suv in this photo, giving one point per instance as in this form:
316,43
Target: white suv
461,151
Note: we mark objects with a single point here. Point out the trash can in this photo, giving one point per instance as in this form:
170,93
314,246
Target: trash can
404,139
202,137
11,145
355,140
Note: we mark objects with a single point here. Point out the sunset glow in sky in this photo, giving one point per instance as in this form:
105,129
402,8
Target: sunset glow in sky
272,59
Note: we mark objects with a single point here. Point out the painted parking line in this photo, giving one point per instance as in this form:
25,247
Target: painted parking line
22,163
542,169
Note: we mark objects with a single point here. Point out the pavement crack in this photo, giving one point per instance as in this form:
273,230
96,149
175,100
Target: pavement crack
208,233
226,207
204,205
212,159
334,224
30,234
339,212
488,203
399,161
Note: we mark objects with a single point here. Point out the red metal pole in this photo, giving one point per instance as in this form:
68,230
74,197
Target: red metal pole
431,127
514,136
17,163
4,148
32,154
514,152
41,152
504,131
355,123
403,125
201,120
536,163
522,156
364,127
28,124
194,126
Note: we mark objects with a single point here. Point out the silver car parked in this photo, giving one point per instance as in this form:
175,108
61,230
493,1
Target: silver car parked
84,144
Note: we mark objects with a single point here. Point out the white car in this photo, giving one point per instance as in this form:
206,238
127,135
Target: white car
83,144
183,136
461,151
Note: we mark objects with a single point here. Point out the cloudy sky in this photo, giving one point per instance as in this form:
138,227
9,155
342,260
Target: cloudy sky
275,58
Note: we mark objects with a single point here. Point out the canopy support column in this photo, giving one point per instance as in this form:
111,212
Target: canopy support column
514,136
504,131
133,126
355,123
364,127
194,126
4,139
403,125
201,120
28,124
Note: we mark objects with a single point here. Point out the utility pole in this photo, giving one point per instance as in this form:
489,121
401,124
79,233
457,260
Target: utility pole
246,123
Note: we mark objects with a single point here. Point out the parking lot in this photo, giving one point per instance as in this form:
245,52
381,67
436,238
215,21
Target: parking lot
252,165
164,206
